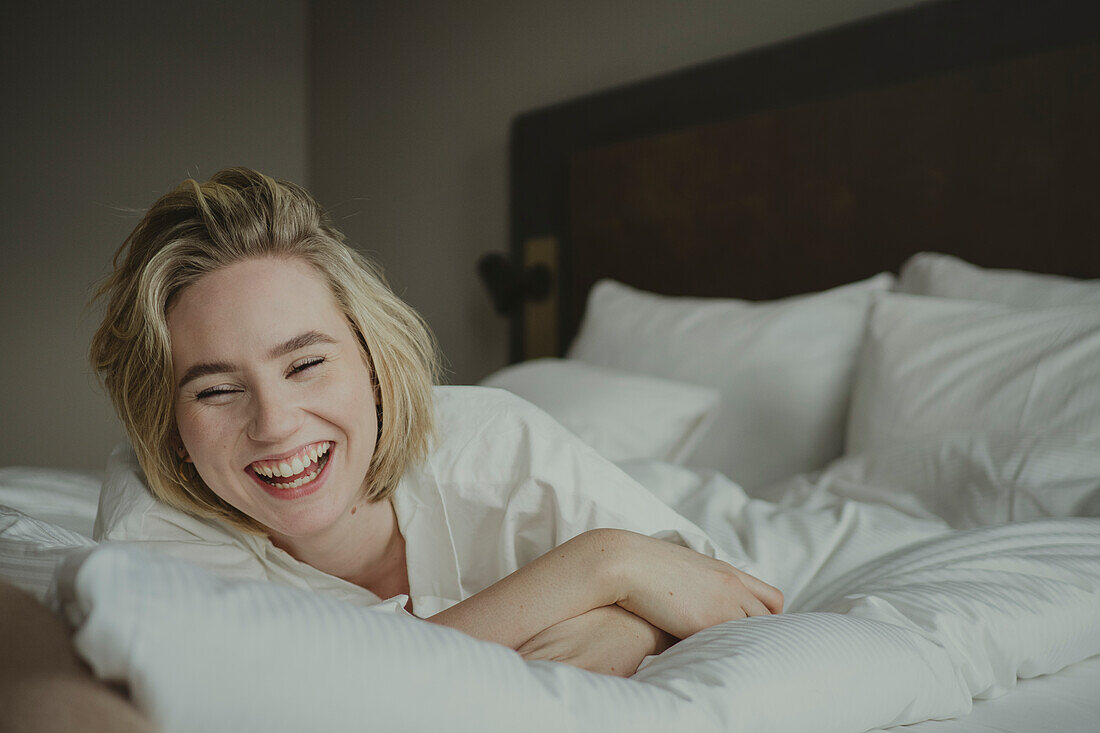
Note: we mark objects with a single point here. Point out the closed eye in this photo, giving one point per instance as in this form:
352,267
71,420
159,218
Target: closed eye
227,390
214,392
312,362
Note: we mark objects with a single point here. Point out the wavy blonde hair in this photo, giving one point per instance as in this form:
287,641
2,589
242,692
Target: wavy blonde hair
201,227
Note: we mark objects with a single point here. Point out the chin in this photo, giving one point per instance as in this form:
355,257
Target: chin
304,525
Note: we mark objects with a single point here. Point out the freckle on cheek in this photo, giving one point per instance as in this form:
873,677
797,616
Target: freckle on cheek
353,509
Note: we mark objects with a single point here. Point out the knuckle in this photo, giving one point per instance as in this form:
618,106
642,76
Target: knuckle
730,582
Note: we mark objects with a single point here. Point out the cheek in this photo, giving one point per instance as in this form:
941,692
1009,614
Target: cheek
351,401
348,389
186,426
202,434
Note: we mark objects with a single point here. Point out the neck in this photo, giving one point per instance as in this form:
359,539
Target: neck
366,549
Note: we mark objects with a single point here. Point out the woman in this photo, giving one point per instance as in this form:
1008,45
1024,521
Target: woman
278,392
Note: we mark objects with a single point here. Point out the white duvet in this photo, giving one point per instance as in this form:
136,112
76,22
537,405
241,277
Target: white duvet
874,636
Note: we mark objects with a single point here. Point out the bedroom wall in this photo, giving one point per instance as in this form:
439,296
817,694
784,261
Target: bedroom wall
411,104
398,118
106,106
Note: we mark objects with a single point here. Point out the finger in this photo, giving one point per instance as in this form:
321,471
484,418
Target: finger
773,599
753,607
769,595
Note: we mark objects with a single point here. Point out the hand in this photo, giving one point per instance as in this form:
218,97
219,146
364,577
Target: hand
608,640
681,591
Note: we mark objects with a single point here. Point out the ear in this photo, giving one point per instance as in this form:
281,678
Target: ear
177,445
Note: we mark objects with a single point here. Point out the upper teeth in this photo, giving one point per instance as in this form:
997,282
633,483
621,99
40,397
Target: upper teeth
295,464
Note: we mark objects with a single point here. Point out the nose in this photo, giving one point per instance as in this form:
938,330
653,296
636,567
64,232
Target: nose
274,417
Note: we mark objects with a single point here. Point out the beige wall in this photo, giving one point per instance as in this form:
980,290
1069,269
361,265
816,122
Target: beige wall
397,116
104,107
411,103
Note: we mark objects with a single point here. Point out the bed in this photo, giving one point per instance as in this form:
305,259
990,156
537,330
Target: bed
949,144
834,301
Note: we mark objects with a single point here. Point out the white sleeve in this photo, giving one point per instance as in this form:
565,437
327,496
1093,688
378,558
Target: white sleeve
519,484
129,513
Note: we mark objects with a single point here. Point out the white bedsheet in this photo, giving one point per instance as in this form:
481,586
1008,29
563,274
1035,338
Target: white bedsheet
870,640
67,499
1066,702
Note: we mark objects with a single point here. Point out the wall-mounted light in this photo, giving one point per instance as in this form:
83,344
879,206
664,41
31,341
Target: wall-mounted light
509,286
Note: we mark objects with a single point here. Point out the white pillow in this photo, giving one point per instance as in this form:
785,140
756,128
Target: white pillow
783,368
30,550
931,366
944,276
967,479
974,412
65,498
623,416
205,653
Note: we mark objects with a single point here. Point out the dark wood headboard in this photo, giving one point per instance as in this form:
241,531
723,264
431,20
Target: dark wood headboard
965,126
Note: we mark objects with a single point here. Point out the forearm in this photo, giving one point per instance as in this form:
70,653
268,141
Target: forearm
569,580
671,587
649,638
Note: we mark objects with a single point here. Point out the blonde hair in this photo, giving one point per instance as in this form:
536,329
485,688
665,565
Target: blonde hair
199,228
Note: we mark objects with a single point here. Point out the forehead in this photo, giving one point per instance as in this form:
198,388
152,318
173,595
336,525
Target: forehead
249,305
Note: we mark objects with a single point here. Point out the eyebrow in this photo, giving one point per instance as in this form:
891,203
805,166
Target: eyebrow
309,338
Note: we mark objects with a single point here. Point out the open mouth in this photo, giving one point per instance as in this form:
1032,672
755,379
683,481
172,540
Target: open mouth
295,471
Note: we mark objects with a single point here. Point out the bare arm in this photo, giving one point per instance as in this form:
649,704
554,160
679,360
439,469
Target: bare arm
43,684
673,588
573,578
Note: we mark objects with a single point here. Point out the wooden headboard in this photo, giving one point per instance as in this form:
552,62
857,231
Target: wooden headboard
966,126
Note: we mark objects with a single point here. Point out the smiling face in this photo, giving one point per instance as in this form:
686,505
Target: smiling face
274,404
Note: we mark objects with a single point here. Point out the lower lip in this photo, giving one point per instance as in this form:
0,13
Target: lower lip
304,490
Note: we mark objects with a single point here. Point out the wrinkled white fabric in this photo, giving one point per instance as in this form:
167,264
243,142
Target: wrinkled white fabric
933,367
31,548
65,499
623,415
503,485
891,619
966,479
784,367
911,636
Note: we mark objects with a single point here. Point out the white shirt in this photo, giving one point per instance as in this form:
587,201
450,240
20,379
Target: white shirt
503,484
